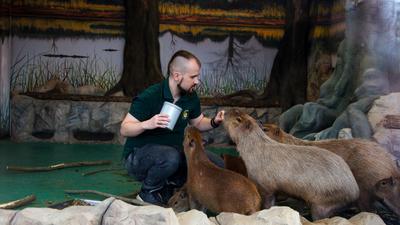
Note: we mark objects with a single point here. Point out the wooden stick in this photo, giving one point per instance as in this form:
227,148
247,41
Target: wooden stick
18,203
98,171
128,200
58,166
392,122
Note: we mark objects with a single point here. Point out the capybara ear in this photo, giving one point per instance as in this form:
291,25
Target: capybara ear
385,183
277,132
192,143
247,124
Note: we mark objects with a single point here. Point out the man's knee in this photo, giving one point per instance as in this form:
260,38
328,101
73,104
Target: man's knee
170,159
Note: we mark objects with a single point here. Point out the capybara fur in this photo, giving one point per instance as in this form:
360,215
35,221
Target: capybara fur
319,177
375,171
179,202
235,164
217,189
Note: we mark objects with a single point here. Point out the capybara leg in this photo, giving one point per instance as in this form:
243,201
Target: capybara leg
320,211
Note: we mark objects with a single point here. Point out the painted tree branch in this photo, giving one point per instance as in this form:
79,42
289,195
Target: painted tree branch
18,203
128,200
58,166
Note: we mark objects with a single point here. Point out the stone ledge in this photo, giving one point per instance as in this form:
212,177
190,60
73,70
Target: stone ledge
73,121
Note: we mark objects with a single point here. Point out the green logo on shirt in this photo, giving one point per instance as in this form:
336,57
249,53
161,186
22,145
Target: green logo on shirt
185,114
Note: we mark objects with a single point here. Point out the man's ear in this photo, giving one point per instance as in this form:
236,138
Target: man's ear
176,75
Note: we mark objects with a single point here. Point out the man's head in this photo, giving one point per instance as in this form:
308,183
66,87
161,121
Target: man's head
184,69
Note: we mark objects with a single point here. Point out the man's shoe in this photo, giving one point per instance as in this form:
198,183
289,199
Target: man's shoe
166,193
152,197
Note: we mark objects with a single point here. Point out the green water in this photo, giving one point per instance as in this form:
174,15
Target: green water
49,186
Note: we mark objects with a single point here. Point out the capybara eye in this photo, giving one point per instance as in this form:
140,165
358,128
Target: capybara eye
239,119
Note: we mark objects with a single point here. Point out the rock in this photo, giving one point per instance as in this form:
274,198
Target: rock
88,215
193,217
365,218
345,133
122,213
6,216
274,215
389,138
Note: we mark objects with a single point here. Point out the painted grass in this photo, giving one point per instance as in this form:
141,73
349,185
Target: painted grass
218,82
32,71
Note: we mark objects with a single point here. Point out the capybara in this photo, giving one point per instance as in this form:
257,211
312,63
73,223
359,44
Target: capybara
235,164
179,202
217,189
317,176
376,173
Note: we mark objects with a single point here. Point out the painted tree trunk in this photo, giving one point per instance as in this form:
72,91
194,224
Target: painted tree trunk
288,80
5,61
142,65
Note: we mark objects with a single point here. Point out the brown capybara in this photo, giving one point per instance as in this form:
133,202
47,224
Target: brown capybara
376,173
179,202
317,176
217,189
235,164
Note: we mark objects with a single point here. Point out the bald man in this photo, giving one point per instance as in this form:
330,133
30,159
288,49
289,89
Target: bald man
152,153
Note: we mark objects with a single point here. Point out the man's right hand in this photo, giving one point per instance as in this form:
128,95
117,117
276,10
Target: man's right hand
157,121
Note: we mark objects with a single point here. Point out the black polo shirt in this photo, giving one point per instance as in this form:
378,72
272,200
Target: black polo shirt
149,103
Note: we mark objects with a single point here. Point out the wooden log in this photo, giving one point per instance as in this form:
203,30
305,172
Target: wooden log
128,200
18,203
58,166
392,122
99,171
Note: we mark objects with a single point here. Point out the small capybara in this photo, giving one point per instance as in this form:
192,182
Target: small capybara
235,164
179,202
376,173
217,189
317,176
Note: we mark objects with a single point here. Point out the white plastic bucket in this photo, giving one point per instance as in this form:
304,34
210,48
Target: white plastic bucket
173,111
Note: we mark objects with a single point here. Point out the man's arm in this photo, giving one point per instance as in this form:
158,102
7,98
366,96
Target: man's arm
131,127
203,123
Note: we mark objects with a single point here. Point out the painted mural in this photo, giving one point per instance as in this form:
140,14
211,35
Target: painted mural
77,45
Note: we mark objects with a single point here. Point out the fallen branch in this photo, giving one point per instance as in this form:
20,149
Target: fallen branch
99,171
392,122
128,200
58,166
18,203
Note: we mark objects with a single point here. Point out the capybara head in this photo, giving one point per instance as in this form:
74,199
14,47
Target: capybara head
273,131
388,191
238,123
179,202
192,139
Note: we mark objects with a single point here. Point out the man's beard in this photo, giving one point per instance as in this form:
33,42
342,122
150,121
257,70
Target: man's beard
182,90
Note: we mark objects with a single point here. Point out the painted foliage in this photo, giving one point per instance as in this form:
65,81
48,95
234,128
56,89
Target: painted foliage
80,42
